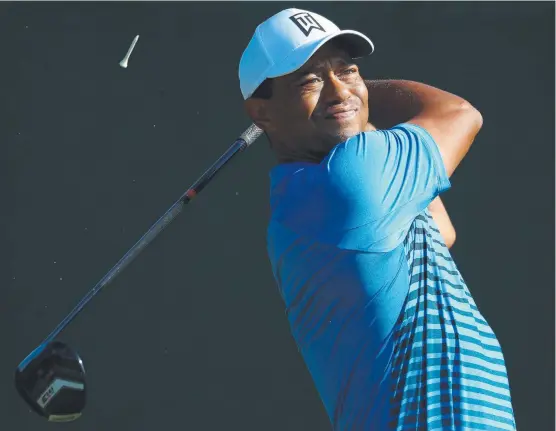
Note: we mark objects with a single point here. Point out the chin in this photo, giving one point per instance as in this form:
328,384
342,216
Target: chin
344,134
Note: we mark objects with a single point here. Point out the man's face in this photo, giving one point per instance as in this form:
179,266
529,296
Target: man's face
318,106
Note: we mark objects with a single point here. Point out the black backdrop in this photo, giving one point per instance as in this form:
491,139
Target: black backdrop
193,334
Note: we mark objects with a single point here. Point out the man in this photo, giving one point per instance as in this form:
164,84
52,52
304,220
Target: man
378,309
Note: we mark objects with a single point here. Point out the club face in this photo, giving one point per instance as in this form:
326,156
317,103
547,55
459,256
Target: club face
51,380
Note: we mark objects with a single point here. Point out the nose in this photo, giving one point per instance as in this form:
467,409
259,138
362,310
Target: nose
334,91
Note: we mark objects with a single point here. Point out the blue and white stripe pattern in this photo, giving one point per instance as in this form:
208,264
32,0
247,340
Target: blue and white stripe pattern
448,369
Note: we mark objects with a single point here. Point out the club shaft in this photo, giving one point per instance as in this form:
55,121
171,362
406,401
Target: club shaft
239,145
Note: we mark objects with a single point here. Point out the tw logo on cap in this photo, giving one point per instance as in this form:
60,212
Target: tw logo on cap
306,23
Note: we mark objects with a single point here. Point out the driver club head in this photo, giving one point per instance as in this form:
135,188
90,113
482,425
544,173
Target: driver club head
51,380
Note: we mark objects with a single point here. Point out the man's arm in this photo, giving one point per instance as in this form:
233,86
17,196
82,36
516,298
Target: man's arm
442,220
450,120
394,102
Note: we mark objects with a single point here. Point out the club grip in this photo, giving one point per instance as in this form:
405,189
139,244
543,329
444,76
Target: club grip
251,134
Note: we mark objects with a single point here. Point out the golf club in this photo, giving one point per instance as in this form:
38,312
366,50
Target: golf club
51,379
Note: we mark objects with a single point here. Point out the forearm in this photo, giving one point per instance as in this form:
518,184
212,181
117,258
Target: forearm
391,103
396,101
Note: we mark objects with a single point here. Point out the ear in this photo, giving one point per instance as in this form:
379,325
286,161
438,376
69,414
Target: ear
258,110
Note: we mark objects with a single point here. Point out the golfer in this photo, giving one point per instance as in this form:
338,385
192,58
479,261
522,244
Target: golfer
358,238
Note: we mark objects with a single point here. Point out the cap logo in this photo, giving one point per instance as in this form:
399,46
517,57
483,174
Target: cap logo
306,23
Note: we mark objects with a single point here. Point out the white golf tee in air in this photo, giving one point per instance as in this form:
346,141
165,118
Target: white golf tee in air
123,63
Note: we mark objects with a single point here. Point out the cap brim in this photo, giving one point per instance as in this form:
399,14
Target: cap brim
356,44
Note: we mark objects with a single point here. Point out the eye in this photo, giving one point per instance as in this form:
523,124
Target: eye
310,81
349,71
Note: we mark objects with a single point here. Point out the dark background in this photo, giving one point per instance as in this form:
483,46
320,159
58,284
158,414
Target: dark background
193,334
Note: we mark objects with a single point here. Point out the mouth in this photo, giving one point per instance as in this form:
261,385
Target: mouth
342,115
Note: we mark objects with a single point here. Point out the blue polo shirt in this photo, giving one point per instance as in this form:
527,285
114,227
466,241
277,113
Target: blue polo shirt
377,307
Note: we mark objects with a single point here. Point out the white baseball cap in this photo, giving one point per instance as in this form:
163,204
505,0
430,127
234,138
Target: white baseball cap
284,42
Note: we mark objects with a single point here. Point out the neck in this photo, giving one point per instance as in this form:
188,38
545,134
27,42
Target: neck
290,154
306,158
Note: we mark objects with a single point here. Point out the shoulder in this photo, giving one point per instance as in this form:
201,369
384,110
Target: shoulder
376,150
359,144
